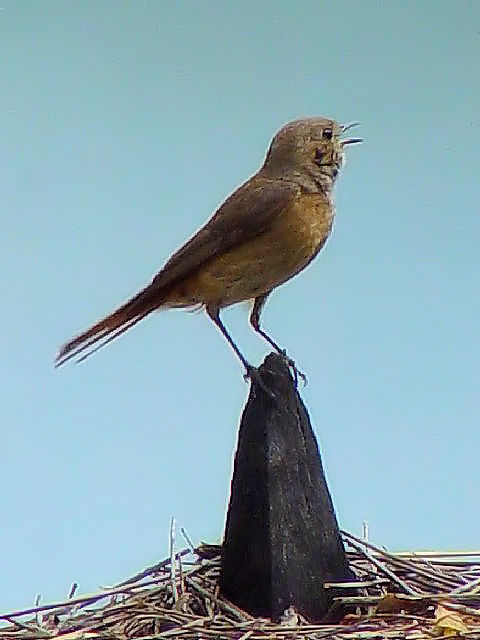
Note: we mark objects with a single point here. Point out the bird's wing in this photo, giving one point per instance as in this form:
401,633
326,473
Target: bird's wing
248,212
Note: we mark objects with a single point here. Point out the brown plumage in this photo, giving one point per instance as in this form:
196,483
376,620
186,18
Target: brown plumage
267,231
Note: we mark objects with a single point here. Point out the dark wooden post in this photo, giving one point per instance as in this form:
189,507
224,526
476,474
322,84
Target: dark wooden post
282,540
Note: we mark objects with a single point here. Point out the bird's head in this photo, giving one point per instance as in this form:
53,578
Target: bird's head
312,148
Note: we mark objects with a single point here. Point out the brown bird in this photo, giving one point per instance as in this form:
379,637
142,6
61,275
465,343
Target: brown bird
266,232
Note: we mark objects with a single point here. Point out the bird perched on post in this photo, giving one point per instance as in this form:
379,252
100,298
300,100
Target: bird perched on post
266,232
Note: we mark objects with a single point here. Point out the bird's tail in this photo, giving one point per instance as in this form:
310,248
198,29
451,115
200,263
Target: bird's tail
112,326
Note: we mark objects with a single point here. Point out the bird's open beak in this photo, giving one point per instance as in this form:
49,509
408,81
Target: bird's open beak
345,128
351,141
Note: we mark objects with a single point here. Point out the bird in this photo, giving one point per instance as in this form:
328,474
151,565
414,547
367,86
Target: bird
267,231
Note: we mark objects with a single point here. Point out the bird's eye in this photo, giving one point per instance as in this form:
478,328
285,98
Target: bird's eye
327,133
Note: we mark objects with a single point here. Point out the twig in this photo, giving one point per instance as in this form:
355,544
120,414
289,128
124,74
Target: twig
173,578
242,616
398,562
356,585
154,568
469,611
82,600
31,628
73,589
142,607
472,586
382,567
187,539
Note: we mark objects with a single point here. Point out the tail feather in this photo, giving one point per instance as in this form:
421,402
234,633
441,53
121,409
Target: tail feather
112,326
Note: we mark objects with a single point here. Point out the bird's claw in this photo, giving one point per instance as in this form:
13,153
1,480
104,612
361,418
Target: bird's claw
253,374
296,373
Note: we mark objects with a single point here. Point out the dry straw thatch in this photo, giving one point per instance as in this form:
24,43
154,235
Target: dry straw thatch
397,596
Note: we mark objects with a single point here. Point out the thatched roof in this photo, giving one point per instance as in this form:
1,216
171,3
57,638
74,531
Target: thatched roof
398,595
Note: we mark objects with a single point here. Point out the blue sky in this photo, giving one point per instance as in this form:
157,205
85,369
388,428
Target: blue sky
124,124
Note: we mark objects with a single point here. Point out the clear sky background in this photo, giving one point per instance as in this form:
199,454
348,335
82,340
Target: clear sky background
123,126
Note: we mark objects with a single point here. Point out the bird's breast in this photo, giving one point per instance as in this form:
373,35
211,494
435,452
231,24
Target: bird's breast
266,260
305,227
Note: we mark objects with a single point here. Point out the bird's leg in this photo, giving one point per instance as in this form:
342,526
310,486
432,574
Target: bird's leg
251,371
255,322
214,315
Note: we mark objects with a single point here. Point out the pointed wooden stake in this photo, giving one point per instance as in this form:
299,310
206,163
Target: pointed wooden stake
282,541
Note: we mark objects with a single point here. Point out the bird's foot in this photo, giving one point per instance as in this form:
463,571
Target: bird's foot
253,374
296,373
